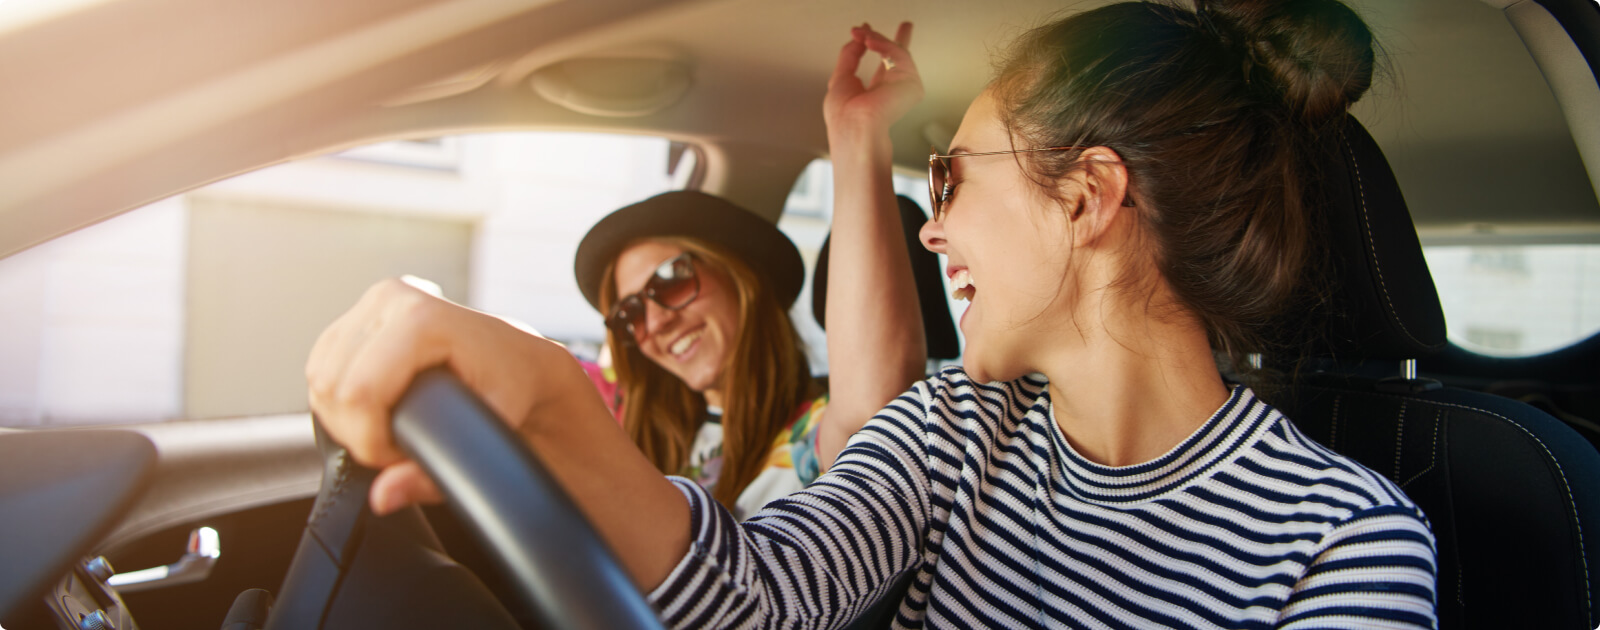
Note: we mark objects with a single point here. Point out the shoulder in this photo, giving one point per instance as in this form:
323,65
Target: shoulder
952,404
953,383
954,393
1335,480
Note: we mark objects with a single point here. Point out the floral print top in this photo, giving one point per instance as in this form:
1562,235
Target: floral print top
792,463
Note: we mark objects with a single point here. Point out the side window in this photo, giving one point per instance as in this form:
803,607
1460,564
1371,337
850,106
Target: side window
1509,299
204,305
806,218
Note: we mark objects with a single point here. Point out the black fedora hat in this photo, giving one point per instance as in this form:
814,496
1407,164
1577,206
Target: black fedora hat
697,215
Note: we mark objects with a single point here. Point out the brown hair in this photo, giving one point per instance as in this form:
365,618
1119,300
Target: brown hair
765,380
1218,114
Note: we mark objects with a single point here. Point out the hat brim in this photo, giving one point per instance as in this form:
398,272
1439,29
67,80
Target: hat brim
686,213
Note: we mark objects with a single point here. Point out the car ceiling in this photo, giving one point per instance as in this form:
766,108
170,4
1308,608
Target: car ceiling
112,104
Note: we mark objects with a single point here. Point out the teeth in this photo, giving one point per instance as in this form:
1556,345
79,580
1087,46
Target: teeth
683,342
961,286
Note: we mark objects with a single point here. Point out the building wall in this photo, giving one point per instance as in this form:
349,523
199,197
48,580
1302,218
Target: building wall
206,304
253,317
90,323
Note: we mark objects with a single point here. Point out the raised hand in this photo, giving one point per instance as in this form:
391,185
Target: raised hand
894,88
876,347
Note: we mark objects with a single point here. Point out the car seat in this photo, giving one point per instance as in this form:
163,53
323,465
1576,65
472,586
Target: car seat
938,327
943,345
1513,494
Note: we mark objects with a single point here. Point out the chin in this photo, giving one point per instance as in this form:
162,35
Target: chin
980,375
981,370
699,381
974,367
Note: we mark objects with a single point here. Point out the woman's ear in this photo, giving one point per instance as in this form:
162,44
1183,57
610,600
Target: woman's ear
1102,186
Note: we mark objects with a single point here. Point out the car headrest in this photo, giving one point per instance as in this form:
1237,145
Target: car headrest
1383,303
937,325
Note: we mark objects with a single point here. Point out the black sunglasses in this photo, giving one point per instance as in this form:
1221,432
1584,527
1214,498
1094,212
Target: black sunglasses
674,285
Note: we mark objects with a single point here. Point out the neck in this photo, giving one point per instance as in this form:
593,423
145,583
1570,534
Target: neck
713,397
1131,387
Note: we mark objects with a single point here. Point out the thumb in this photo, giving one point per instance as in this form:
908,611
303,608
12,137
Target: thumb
400,485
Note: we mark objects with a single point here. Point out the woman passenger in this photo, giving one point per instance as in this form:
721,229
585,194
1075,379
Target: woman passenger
712,377
1121,205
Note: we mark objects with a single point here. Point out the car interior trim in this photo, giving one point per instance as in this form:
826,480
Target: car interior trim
193,482
1567,71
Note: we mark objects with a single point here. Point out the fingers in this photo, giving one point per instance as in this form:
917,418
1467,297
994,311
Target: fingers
401,485
850,55
903,35
876,42
892,88
362,363
897,61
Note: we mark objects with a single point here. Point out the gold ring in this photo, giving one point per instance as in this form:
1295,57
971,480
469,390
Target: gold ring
888,64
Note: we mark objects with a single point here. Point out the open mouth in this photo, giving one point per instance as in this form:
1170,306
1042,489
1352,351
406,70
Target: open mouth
961,287
684,343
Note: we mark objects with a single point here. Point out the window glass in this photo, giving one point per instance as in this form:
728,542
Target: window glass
204,305
1517,300
806,217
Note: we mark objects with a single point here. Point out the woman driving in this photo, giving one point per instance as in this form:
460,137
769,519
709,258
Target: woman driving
1123,204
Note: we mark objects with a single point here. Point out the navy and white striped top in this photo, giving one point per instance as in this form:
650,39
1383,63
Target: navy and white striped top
1246,524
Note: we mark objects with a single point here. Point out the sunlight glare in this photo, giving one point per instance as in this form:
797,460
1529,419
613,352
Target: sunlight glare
19,14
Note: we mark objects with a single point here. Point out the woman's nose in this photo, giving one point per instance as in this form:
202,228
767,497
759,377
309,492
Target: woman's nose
932,235
655,317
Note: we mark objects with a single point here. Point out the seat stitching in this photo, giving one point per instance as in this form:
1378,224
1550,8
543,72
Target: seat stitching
1566,486
1372,249
1434,460
1583,557
337,491
1399,441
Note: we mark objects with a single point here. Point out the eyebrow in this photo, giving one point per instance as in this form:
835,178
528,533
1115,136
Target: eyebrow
958,149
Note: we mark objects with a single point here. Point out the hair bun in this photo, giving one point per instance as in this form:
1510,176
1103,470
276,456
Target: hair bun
1317,53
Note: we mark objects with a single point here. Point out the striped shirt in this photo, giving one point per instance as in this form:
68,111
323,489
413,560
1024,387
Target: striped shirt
973,489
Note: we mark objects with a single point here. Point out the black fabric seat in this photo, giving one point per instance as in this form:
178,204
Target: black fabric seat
1513,494
937,325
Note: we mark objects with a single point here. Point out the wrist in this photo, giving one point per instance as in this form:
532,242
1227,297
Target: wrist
860,146
561,391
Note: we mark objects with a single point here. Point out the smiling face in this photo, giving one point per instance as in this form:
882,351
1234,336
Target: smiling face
1008,248
692,343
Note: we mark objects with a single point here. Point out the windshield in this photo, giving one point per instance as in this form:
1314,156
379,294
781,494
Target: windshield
204,305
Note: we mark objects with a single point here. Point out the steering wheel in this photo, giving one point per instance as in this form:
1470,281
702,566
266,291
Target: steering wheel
499,488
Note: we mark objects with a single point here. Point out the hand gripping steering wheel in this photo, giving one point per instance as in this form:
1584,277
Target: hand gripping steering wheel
494,484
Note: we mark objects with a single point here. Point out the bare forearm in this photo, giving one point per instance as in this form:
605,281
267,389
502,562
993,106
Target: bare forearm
636,510
876,345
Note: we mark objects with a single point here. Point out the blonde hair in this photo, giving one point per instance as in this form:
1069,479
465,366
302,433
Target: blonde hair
765,379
